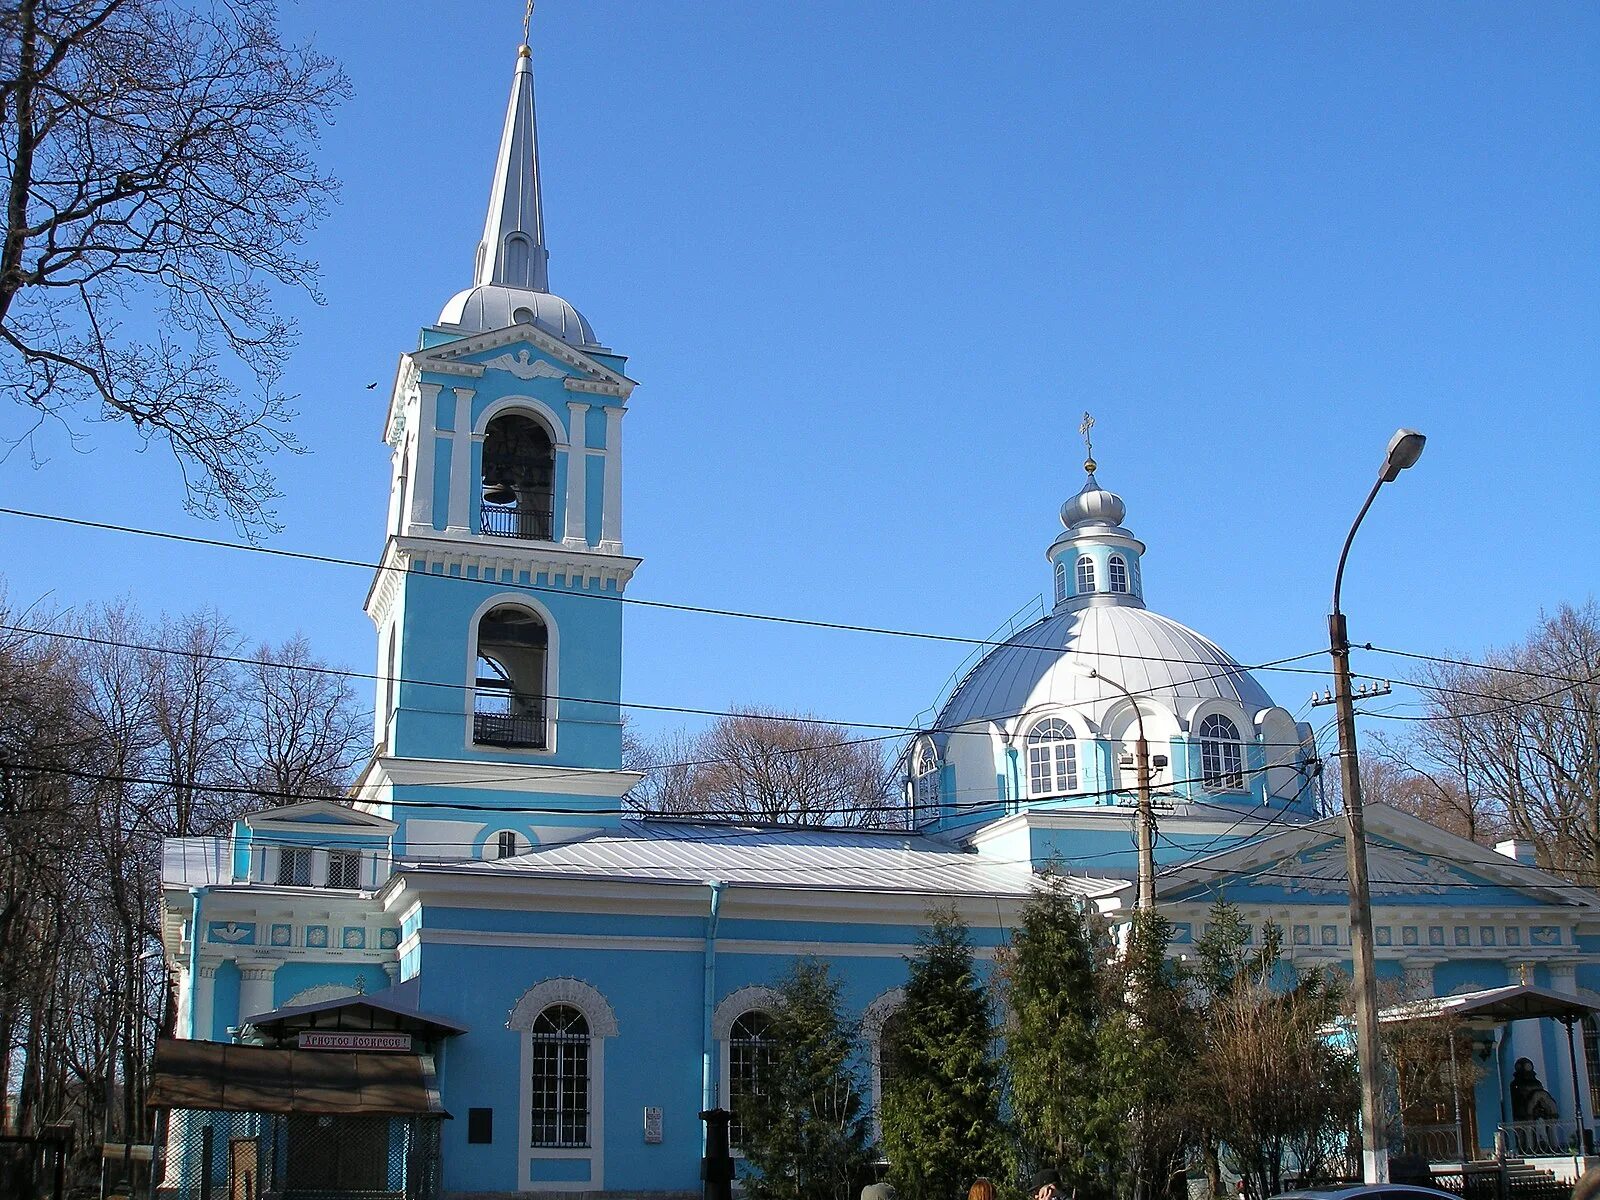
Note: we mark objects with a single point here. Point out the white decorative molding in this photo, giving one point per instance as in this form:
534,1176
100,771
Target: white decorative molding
584,997
1322,872
320,993
735,1004
883,1006
525,366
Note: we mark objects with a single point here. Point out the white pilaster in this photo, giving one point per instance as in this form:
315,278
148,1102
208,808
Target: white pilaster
1419,977
422,460
461,488
255,988
576,533
611,508
205,990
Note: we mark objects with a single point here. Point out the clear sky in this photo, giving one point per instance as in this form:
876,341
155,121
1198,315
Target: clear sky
871,263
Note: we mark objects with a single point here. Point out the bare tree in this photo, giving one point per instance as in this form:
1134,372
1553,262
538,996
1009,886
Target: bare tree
766,765
159,184
300,733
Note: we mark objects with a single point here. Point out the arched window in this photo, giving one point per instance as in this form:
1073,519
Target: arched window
1085,575
517,259
750,1050
560,1110
519,470
505,844
1061,581
925,781
508,706
889,1055
1052,759
1221,754
1119,573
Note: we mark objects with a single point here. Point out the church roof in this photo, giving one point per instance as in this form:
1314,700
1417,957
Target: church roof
1049,663
653,850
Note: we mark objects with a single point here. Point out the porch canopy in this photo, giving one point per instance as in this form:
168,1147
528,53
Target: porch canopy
392,1010
1493,1006
224,1077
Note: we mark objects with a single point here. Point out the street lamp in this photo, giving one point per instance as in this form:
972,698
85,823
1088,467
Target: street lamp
1146,813
1405,447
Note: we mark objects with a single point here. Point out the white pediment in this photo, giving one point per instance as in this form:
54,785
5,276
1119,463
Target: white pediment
325,814
1391,872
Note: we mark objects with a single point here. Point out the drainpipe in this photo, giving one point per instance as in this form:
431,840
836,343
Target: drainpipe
194,952
708,1075
1013,779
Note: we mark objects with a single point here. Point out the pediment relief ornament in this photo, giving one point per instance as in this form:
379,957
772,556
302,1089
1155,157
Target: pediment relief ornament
1392,873
524,366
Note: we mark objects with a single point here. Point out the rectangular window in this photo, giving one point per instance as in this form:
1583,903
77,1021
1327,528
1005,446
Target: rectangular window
294,866
344,869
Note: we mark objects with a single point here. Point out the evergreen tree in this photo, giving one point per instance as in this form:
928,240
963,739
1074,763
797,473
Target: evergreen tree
805,1134
1060,1104
941,1108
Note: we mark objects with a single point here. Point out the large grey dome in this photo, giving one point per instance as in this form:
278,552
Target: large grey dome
495,306
1049,662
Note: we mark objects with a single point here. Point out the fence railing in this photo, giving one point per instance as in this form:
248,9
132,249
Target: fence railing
528,524
521,730
1534,1139
1436,1143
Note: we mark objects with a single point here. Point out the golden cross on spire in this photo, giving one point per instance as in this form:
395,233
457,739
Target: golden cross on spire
1088,445
527,20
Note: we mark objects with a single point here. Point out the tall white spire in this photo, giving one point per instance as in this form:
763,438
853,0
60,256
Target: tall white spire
512,251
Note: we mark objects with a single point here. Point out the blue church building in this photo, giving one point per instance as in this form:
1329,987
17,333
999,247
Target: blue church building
582,980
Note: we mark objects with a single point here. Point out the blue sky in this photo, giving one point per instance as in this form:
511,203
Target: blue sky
870,265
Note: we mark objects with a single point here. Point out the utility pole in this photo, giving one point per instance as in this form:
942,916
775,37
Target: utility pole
1404,450
1144,812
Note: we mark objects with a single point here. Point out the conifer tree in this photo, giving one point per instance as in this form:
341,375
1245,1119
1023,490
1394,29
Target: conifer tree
941,1108
805,1133
1061,1106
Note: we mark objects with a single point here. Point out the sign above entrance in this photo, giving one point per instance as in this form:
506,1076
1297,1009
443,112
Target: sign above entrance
355,1041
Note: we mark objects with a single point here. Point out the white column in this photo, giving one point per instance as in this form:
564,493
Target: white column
422,460
611,509
205,989
576,533
255,988
461,462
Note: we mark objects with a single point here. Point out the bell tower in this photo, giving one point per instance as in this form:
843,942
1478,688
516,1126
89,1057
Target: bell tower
498,599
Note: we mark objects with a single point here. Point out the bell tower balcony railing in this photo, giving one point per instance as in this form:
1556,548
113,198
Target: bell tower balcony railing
512,521
522,727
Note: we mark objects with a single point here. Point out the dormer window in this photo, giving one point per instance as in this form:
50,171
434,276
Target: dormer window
1118,573
344,869
1061,581
519,470
294,866
1085,574
1221,755
505,844
1052,759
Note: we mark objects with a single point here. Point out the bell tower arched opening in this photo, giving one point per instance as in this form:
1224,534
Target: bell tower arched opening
519,470
509,698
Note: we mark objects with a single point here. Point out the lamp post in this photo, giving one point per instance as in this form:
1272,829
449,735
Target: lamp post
1146,822
1405,447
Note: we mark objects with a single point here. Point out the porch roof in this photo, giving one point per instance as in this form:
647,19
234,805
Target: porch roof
1517,1002
391,1009
225,1077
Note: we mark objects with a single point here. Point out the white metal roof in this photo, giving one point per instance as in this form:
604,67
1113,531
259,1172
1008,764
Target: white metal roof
1049,663
840,860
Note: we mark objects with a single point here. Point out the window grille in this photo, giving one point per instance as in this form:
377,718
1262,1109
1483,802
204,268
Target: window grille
294,866
1221,755
560,1038
1085,575
750,1051
344,869
889,1056
1119,573
1052,759
1591,1054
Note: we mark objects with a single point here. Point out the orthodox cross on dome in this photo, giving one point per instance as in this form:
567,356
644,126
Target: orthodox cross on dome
527,20
512,252
1088,445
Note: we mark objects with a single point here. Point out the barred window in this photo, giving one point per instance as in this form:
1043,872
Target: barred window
889,1053
1221,754
560,1037
294,866
1085,575
344,869
1119,573
1052,759
750,1051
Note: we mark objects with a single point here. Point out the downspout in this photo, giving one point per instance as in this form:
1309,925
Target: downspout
194,953
1013,779
708,1074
